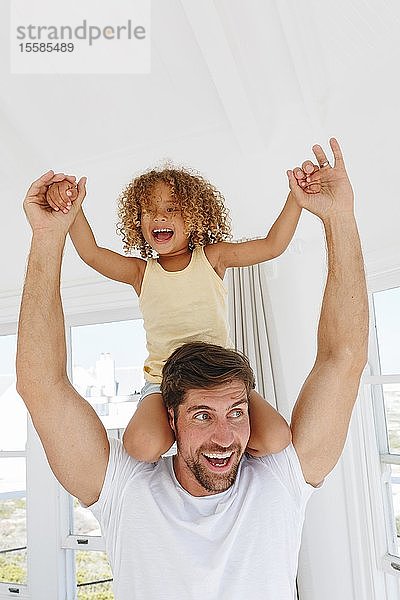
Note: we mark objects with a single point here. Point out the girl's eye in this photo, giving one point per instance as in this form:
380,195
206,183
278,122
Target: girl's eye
201,416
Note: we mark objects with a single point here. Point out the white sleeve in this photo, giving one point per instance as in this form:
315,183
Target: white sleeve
286,467
120,470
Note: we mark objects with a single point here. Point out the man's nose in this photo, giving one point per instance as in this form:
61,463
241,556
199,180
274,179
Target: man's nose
222,434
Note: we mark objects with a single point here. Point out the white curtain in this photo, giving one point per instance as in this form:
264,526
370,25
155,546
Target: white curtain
248,316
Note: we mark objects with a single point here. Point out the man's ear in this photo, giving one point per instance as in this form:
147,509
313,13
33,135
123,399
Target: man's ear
171,419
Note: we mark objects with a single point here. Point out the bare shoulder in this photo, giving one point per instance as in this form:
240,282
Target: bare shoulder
241,254
139,267
126,269
213,253
139,263
223,255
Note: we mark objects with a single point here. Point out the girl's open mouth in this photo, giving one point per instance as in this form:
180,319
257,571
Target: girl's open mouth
163,234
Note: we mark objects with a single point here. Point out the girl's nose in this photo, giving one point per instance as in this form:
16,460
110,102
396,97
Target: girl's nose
160,215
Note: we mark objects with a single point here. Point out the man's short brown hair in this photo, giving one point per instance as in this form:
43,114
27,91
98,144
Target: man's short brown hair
200,365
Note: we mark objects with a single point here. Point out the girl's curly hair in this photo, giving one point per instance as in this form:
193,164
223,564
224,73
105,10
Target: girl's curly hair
202,207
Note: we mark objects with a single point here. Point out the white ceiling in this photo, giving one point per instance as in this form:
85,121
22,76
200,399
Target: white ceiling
239,90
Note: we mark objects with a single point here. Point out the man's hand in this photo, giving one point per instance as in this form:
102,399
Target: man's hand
322,189
41,215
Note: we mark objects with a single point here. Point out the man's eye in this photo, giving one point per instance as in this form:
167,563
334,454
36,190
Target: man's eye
201,416
236,413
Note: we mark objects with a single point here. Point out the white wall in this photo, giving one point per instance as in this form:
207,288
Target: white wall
339,558
296,295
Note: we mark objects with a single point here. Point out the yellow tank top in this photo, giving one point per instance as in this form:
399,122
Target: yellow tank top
179,307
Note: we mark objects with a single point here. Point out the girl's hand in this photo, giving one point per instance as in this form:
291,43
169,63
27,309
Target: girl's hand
62,194
320,188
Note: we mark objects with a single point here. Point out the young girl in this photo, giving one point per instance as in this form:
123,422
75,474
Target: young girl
178,222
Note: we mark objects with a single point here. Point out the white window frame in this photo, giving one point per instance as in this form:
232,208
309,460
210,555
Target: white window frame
50,563
13,590
45,522
71,541
369,499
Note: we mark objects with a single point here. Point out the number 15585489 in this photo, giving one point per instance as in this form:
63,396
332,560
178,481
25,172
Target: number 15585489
46,47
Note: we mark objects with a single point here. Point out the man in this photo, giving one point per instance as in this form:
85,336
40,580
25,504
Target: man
211,523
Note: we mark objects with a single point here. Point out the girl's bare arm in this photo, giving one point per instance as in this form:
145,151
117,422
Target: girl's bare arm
244,254
61,196
125,269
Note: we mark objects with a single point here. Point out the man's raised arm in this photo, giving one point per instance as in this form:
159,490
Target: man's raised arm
322,412
73,436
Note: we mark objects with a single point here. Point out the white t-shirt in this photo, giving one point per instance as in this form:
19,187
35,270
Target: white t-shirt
165,544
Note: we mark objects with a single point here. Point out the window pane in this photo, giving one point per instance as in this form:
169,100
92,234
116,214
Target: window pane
387,316
391,394
395,490
107,361
92,567
12,520
84,523
107,368
12,408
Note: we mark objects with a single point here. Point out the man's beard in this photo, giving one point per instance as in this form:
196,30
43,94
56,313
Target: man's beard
210,481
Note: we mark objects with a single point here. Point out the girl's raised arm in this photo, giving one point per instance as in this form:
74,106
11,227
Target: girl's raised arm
244,254
107,262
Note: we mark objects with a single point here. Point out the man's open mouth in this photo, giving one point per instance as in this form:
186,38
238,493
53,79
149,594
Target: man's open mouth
218,459
162,235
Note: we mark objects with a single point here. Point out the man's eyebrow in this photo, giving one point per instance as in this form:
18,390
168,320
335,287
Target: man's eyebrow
205,407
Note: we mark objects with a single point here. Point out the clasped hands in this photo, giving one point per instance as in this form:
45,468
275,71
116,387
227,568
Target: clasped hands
318,187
